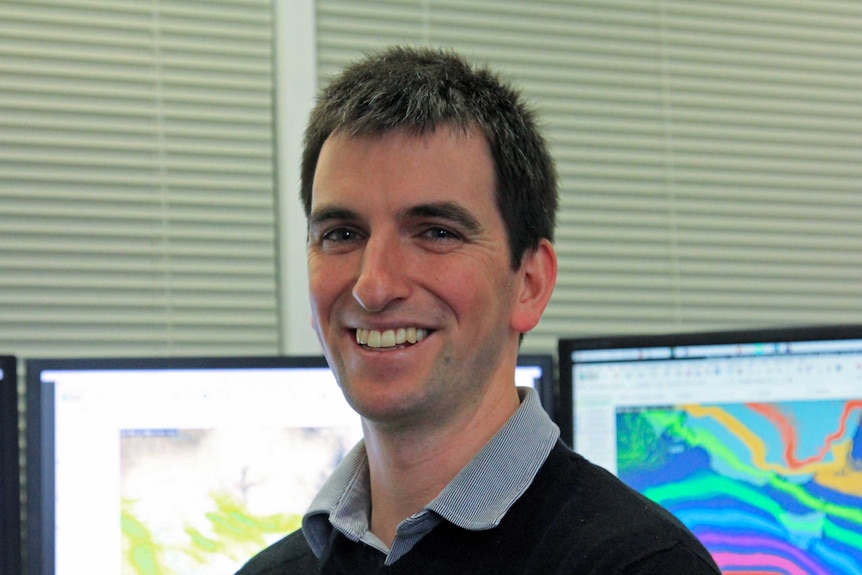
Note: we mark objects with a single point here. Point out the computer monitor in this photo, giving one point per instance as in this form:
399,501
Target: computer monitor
183,465
10,487
753,438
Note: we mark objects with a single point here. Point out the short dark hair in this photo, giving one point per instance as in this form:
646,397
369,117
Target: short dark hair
421,89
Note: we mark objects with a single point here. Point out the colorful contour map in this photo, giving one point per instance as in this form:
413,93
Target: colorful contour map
769,488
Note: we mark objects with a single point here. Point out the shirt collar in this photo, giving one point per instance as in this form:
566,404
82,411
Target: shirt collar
344,500
481,494
476,499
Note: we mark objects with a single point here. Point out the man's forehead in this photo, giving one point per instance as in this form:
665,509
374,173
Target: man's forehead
446,174
468,149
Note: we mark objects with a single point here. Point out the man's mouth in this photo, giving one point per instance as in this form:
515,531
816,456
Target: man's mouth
390,337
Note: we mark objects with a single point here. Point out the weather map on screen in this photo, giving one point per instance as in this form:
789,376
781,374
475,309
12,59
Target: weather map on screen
774,486
753,439
204,500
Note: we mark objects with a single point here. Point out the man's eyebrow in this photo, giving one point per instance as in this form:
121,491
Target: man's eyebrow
445,211
330,213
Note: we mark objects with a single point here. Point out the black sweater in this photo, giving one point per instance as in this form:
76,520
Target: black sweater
576,518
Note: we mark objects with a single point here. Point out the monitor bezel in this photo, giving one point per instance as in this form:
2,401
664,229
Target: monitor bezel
782,334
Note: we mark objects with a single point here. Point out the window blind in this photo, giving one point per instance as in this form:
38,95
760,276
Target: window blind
137,196
710,153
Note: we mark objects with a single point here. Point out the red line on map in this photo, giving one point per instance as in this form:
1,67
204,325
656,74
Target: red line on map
788,432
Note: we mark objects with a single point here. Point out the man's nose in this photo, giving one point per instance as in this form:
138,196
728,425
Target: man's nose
382,274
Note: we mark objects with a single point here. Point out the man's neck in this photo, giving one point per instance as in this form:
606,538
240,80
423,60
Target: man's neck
409,468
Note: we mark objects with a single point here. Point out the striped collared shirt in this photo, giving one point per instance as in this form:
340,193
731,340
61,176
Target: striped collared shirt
476,499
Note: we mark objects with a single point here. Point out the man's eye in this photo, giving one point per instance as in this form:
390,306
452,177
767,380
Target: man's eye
340,235
437,233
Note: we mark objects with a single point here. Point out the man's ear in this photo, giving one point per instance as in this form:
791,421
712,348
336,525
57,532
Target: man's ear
537,278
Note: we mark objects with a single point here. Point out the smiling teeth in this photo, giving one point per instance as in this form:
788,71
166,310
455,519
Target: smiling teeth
390,337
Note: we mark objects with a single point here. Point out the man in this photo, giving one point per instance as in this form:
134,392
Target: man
430,198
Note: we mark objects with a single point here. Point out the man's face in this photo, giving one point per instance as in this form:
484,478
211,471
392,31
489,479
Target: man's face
411,286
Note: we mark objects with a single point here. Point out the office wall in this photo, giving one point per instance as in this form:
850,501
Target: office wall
710,156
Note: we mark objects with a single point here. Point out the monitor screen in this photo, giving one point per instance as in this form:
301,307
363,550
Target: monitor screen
752,438
178,466
10,490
